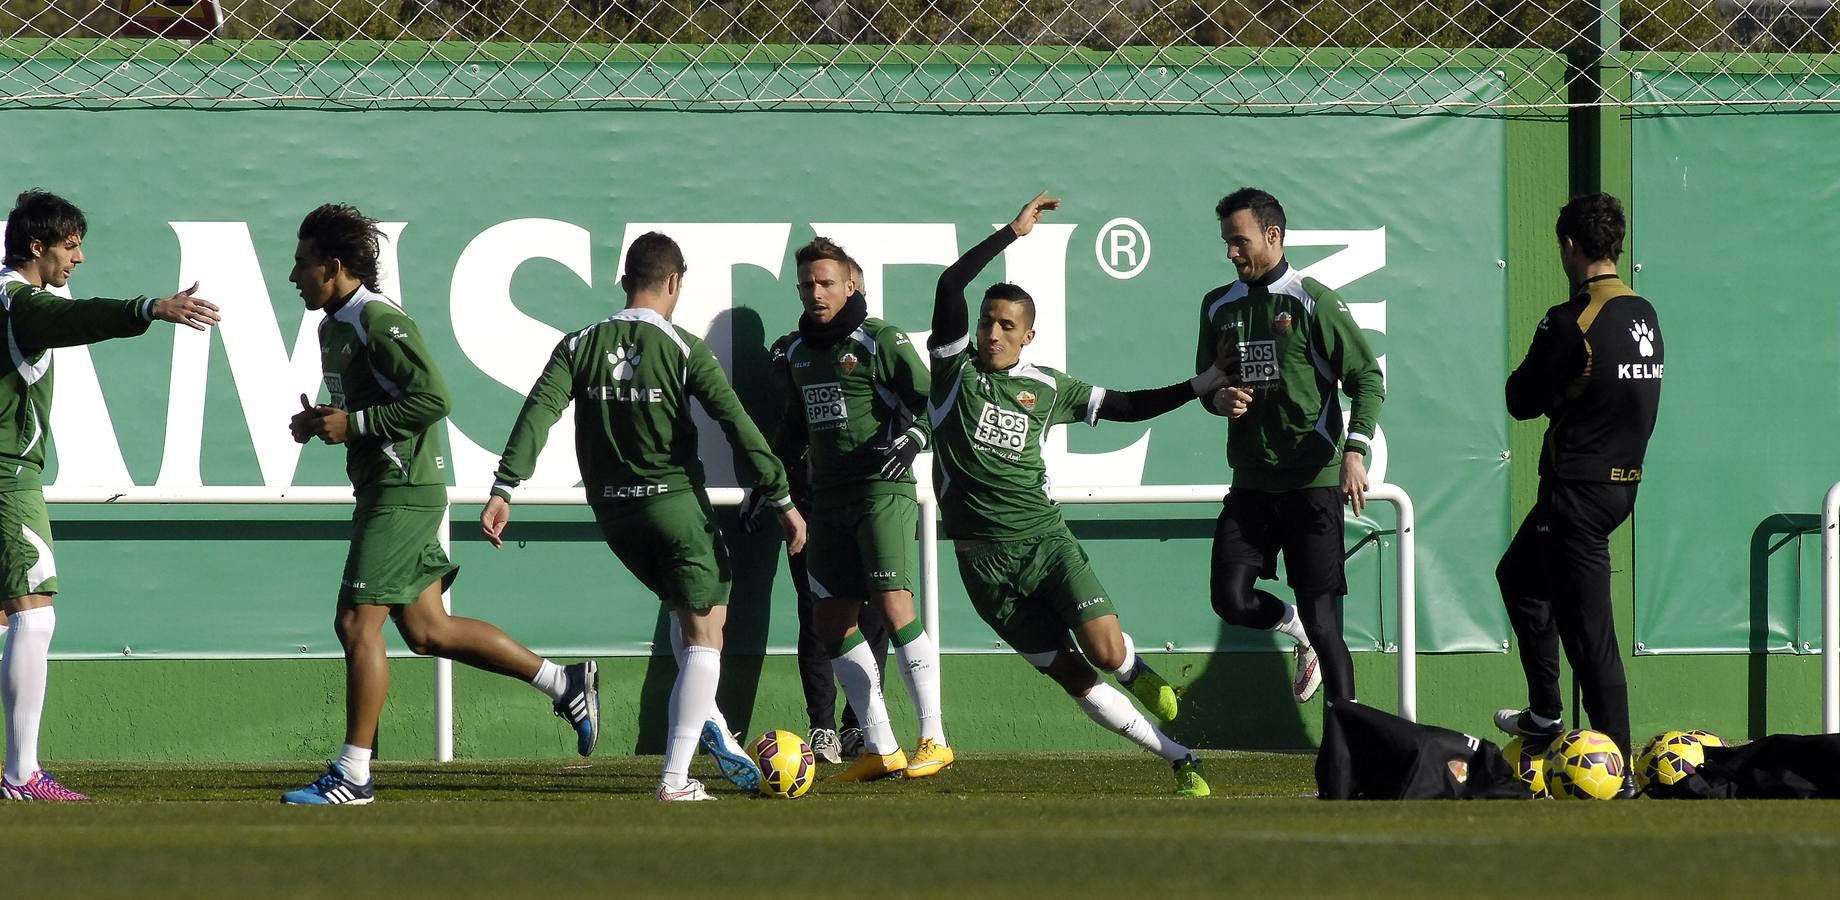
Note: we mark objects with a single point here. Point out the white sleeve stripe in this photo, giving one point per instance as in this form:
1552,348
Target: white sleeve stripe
1357,436
1092,405
147,310
919,436
952,349
357,420
503,485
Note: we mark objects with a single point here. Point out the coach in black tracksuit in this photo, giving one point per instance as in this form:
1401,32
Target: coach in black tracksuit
1594,371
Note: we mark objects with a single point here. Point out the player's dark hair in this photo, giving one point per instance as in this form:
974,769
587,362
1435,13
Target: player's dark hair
1013,293
339,231
1265,208
40,216
825,248
1594,222
651,259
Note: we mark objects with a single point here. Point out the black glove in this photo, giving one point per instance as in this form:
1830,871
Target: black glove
897,456
749,512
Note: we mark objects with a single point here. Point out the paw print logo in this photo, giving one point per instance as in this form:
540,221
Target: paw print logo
624,360
1644,337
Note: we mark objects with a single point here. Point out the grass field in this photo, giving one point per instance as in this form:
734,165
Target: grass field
1003,825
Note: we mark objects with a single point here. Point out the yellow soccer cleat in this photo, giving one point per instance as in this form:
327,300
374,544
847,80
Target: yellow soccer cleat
1153,692
930,758
874,766
1189,782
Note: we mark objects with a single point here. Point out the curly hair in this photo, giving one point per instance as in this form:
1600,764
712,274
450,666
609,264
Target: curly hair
1594,222
341,232
40,216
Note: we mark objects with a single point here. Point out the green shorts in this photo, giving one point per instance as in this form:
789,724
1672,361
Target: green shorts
25,544
671,544
1033,590
868,545
395,555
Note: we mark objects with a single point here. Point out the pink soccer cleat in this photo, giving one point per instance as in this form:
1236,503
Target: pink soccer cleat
41,786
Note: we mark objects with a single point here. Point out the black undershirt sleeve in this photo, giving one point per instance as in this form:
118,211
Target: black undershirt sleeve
951,320
1136,406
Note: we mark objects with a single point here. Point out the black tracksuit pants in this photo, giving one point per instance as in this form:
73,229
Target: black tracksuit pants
1555,581
815,675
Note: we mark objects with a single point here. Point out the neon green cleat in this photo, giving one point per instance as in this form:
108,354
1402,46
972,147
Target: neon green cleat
1189,782
1153,692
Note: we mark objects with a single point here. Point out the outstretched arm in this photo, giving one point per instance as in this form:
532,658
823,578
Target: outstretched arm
1136,406
951,320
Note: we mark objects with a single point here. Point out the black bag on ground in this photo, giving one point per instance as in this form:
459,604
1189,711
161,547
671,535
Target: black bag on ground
1389,758
1776,767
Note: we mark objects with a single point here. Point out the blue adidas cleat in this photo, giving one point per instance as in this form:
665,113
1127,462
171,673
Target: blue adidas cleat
332,789
581,706
735,765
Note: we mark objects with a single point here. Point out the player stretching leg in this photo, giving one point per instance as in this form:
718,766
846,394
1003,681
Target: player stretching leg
44,239
862,397
1027,576
386,405
631,378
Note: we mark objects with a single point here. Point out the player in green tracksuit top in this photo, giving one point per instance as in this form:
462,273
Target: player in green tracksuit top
1026,575
1294,463
386,402
631,378
44,241
859,404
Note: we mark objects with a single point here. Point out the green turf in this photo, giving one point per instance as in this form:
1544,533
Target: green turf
1004,825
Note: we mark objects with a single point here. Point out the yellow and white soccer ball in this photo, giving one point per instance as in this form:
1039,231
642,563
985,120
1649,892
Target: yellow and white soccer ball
1529,764
787,768
1584,765
1671,757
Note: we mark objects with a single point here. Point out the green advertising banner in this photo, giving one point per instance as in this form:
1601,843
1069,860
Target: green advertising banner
506,229
1734,231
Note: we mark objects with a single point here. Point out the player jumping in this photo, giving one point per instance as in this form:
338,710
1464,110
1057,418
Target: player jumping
1026,575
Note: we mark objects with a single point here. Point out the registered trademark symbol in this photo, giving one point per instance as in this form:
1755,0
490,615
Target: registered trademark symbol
1122,248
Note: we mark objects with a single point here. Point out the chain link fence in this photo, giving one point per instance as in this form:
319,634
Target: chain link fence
1406,56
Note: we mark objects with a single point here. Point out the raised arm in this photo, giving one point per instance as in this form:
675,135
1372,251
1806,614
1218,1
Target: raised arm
951,319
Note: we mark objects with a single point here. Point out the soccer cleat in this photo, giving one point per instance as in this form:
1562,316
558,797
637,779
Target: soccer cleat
735,765
580,706
41,786
874,766
1629,790
850,742
692,790
1309,676
1153,692
930,758
825,745
1189,782
332,789
1520,721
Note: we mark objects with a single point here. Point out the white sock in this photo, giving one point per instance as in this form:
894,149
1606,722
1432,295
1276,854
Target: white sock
1292,625
692,697
1127,672
920,669
1105,705
856,671
715,711
551,680
355,762
22,687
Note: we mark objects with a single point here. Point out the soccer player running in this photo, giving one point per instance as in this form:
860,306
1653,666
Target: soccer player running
861,397
631,377
44,243
1594,371
1294,463
817,677
1026,575
386,404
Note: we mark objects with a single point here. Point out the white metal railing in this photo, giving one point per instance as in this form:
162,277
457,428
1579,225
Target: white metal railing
929,550
1830,611
1385,493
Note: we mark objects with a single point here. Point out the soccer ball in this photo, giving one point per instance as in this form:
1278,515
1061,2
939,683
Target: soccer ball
1529,764
1584,765
1671,757
786,765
